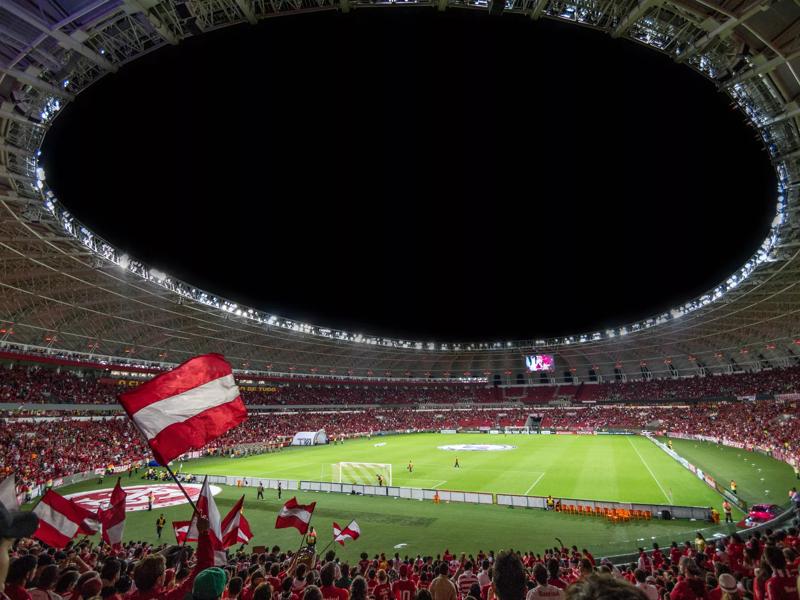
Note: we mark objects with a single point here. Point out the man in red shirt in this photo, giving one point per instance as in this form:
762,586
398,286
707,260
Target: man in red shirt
20,574
403,589
553,571
658,557
329,591
382,591
781,586
588,556
363,564
274,577
149,573
692,586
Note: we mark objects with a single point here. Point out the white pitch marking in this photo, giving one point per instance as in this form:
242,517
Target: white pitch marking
433,487
538,479
650,470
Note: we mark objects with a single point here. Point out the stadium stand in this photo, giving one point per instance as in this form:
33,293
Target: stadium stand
24,383
750,566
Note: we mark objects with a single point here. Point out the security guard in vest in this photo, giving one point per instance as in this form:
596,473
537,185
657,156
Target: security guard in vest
551,504
733,488
311,538
728,510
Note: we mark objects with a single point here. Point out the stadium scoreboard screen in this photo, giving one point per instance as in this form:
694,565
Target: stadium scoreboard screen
539,362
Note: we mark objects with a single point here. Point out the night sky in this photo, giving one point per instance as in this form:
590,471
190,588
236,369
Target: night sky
436,176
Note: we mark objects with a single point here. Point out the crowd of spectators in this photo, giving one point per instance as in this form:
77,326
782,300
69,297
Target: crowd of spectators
26,384
767,382
748,567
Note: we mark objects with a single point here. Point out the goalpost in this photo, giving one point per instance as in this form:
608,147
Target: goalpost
361,473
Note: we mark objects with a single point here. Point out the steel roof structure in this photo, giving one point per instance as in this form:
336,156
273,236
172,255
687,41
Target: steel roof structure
63,287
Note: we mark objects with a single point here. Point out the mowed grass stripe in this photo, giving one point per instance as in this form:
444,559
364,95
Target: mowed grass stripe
649,470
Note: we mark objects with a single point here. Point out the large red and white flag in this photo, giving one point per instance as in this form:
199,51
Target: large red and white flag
295,515
113,518
181,529
186,408
351,532
207,509
230,524
245,534
60,520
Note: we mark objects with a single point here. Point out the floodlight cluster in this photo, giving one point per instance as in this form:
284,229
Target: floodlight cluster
103,249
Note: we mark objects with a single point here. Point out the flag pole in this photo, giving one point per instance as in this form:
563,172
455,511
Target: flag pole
296,554
334,539
194,507
185,493
302,541
328,546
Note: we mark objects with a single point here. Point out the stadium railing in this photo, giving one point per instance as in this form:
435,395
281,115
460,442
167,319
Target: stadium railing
353,488
398,492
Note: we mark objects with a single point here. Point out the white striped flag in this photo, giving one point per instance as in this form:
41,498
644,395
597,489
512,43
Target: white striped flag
186,408
295,515
231,524
113,518
207,509
181,529
351,532
245,534
60,520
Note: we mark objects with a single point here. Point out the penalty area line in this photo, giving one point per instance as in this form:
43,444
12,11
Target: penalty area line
538,479
635,449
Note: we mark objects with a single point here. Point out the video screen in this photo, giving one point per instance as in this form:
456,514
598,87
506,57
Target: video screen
540,362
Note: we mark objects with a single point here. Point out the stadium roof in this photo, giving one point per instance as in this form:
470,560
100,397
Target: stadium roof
63,287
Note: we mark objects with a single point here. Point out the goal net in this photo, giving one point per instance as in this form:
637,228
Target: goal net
362,473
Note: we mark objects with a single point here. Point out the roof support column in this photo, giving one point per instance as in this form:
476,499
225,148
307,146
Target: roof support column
32,80
723,28
633,16
62,38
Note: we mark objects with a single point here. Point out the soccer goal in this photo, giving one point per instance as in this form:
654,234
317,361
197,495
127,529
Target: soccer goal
362,473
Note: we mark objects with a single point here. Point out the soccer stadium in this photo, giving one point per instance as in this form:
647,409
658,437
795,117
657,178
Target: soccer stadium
160,437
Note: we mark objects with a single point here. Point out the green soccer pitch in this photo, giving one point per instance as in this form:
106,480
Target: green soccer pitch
621,468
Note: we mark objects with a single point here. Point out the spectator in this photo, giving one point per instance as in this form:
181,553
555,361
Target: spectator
442,588
330,591
45,582
781,586
543,590
604,587
692,586
20,574
466,579
649,590
509,577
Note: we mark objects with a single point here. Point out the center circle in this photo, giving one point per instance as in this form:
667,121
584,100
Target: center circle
477,447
